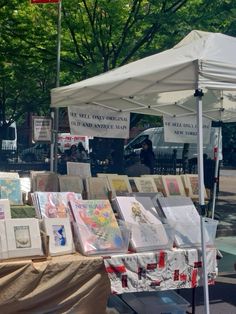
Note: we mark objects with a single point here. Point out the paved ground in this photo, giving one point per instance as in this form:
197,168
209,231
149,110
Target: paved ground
223,294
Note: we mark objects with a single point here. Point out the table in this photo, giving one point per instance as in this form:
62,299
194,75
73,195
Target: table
82,285
63,284
161,270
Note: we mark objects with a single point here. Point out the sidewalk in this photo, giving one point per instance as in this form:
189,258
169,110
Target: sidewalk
222,294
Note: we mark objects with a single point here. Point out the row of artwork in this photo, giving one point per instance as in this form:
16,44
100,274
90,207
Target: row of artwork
105,186
142,223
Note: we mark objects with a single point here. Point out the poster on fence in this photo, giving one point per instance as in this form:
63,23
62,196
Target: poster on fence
42,129
184,129
92,120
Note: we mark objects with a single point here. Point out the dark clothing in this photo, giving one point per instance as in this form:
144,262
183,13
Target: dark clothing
147,158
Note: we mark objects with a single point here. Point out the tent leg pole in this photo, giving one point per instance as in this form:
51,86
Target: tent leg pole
52,143
193,300
216,174
198,94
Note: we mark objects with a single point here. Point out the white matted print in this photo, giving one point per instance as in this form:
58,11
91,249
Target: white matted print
60,235
23,237
3,241
147,231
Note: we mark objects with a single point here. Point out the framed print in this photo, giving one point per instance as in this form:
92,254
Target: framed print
55,204
23,237
145,184
95,227
147,231
184,217
11,189
158,182
46,182
81,169
60,235
192,185
173,185
68,183
97,188
119,185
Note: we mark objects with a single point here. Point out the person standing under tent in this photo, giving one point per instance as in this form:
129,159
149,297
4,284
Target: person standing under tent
147,156
81,152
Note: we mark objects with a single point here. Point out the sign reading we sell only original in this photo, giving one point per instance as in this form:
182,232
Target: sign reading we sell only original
92,120
184,129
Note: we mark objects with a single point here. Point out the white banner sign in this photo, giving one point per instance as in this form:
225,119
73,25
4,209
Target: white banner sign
184,129
42,129
92,120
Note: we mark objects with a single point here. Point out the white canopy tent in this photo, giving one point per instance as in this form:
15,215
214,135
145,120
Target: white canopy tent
165,83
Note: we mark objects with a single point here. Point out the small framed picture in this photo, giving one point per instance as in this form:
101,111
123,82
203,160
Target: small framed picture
119,185
23,237
145,184
192,185
158,182
60,235
173,185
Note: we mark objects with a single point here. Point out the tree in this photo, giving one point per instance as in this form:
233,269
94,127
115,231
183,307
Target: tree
97,35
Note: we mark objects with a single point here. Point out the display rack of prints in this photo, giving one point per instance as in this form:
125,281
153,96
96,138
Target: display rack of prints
145,184
54,204
46,182
173,185
147,231
192,186
81,169
3,241
96,188
183,216
60,235
5,210
119,185
23,237
96,228
11,189
70,183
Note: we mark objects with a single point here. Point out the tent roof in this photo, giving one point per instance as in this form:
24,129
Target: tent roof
201,60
